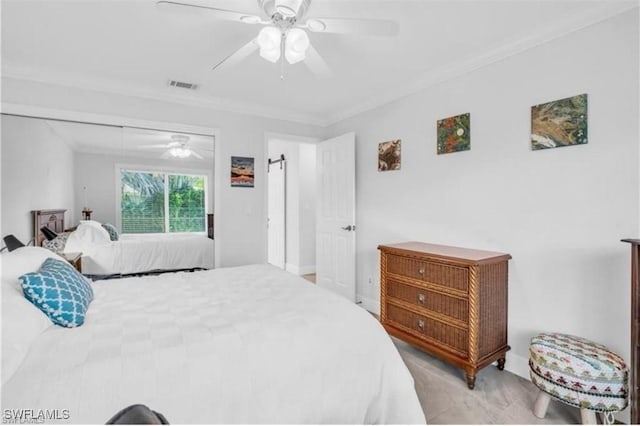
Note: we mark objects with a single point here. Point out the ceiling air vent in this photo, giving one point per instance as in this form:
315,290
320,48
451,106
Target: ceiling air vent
182,85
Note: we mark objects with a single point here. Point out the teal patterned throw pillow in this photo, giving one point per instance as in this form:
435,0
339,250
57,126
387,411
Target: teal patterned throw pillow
112,230
59,291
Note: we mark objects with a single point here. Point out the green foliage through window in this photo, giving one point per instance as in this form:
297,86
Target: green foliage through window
144,196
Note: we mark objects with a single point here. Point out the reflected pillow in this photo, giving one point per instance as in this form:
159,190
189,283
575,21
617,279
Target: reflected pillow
112,230
91,234
57,244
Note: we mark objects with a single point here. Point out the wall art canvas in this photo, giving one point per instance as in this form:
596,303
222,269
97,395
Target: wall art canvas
559,123
389,155
242,172
454,134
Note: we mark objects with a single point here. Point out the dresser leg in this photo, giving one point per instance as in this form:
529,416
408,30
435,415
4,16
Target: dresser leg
501,362
471,380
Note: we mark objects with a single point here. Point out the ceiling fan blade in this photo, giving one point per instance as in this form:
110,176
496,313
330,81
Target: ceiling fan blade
195,154
371,27
238,55
229,15
316,63
152,146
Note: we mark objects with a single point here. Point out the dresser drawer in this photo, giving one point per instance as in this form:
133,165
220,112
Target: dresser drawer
438,273
455,339
436,302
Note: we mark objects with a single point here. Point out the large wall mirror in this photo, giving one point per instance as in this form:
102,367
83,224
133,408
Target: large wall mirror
142,180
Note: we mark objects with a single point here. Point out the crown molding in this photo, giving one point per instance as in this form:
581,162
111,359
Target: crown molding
102,119
166,94
591,16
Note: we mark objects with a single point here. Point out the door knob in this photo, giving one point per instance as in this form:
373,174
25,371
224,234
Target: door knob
349,228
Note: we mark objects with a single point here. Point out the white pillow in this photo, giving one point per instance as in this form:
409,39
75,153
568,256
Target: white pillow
22,324
86,236
23,260
91,223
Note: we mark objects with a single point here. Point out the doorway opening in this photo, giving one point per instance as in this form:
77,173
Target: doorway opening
291,205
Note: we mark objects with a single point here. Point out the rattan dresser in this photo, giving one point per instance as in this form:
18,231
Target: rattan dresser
448,301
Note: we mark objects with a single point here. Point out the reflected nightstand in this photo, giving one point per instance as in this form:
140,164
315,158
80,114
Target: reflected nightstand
75,259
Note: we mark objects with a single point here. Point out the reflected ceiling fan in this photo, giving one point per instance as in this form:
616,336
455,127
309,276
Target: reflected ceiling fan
284,32
179,147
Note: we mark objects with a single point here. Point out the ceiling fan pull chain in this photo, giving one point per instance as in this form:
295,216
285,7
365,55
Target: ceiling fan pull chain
282,43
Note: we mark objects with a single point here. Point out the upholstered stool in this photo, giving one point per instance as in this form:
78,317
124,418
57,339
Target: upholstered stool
577,372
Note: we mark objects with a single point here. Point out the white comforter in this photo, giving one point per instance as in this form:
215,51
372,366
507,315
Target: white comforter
143,253
250,344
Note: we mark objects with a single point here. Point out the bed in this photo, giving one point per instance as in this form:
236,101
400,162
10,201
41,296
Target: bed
106,255
249,345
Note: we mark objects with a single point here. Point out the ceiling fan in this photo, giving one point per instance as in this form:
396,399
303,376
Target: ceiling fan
284,32
179,147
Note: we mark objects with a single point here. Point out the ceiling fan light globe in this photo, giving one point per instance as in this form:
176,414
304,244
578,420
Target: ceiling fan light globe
269,38
294,58
180,152
296,46
271,55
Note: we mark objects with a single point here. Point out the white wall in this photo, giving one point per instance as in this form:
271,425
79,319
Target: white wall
307,186
560,212
240,212
37,174
98,173
300,202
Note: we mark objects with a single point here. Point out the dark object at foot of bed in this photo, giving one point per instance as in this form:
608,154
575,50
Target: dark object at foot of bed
137,414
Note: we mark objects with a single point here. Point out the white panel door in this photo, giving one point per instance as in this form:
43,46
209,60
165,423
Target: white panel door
336,214
276,214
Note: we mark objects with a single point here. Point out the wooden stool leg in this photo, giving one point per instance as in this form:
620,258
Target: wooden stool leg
588,417
540,407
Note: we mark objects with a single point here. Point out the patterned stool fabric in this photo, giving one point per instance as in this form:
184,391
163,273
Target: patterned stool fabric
579,372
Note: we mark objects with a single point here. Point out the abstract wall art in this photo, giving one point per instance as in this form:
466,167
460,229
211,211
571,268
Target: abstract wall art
559,123
454,134
389,155
242,172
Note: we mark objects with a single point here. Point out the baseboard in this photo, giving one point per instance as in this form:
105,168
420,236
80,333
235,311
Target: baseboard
294,269
300,270
517,365
369,304
308,269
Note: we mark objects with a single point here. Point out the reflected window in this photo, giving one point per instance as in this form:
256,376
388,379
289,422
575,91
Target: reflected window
158,202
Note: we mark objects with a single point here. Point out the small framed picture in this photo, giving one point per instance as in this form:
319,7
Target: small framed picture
454,134
389,155
559,123
242,173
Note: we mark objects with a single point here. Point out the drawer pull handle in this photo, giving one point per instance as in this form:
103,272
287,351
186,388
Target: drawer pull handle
421,325
421,298
421,271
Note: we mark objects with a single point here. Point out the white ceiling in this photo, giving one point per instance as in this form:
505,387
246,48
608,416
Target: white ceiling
132,47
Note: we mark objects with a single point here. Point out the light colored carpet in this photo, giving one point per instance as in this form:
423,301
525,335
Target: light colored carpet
500,397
